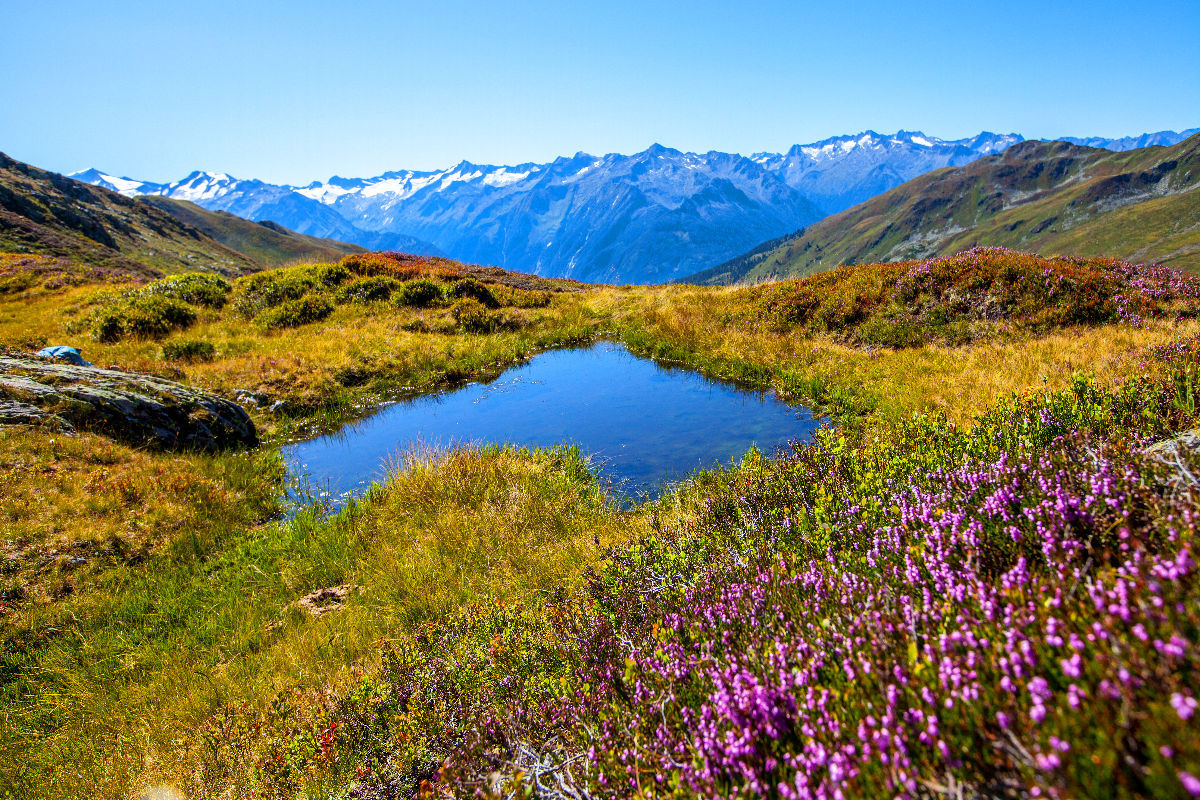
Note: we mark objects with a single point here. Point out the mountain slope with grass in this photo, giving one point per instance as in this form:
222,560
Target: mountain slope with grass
43,213
1054,198
267,243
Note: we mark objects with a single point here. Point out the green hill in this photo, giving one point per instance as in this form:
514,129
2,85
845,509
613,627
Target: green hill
268,243
45,213
1054,198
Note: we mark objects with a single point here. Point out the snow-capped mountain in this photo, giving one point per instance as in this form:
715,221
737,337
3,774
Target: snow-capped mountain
1160,139
125,186
642,218
647,217
844,171
259,201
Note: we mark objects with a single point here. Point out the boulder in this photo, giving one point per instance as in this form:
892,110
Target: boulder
132,408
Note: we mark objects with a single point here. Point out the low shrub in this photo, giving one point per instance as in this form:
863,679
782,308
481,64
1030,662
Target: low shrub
962,297
254,294
473,289
396,265
293,313
473,316
197,288
189,350
368,290
140,316
420,293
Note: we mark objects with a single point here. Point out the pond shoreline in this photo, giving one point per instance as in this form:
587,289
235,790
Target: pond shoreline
666,420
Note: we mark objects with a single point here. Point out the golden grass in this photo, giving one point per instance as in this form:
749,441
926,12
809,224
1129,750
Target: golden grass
449,529
960,381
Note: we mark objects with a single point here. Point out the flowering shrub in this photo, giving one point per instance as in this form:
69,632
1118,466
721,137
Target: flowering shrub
965,296
21,272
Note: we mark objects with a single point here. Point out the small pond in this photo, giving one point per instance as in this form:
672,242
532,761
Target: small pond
641,424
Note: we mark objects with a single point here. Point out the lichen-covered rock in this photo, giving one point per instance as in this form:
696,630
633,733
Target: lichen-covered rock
136,409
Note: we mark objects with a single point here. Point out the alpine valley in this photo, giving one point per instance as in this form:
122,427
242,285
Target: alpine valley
650,217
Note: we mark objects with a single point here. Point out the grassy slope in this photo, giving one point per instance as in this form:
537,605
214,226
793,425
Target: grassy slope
268,244
1052,198
45,213
186,601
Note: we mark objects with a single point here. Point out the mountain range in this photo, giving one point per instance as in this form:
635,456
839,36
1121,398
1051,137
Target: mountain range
1053,198
643,218
45,213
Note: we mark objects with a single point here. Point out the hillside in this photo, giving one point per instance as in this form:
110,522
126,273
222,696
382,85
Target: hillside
267,243
1054,198
45,213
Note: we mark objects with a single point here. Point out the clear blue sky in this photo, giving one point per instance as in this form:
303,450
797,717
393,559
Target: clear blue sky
291,92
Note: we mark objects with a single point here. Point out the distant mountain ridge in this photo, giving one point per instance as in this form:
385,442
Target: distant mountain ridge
1053,198
45,213
647,217
258,201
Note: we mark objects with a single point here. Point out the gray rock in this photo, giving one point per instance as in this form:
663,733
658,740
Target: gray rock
133,408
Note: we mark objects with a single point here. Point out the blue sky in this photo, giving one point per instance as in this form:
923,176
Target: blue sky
291,92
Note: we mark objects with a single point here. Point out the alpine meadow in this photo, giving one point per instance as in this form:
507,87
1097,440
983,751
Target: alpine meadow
799,460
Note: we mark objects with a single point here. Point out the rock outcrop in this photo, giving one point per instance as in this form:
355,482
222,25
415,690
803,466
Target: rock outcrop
132,408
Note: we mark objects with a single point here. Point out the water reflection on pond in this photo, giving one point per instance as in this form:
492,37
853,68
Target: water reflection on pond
644,425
